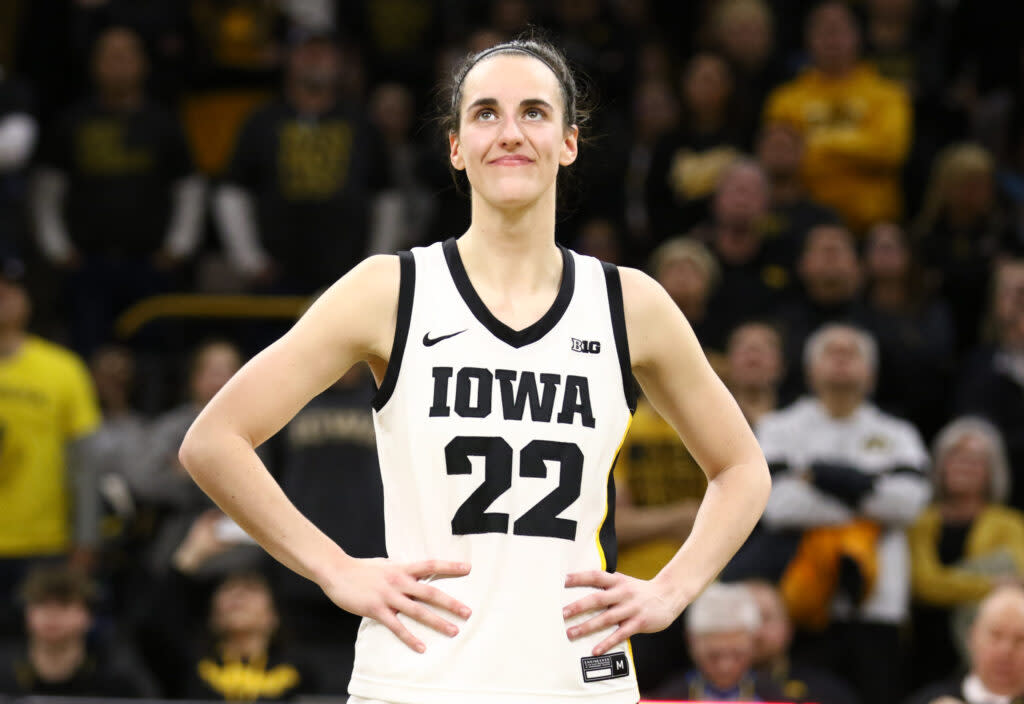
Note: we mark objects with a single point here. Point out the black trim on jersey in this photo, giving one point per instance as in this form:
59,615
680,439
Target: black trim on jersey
629,385
406,286
515,338
609,542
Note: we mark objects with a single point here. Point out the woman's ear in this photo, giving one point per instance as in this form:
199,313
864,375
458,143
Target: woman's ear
570,146
454,152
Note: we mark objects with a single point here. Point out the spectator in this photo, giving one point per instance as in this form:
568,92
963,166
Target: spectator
842,466
830,275
48,411
991,383
57,659
242,656
753,369
855,123
744,31
328,461
961,230
18,131
689,273
914,331
996,646
655,114
966,543
116,203
772,661
658,487
686,164
751,287
792,213
157,478
721,629
600,238
400,214
121,435
293,208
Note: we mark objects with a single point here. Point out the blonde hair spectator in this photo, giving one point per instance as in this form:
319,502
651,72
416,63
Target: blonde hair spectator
998,468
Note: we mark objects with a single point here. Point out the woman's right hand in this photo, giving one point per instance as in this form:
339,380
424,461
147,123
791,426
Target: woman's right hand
380,589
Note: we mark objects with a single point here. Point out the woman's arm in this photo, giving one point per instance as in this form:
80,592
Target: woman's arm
676,377
354,320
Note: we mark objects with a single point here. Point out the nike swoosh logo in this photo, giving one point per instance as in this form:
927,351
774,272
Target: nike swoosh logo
428,340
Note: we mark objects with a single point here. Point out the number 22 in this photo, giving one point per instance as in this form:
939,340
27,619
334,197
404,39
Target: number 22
542,520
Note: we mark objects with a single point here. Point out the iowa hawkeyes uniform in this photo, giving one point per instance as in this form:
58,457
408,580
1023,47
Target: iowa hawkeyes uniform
496,448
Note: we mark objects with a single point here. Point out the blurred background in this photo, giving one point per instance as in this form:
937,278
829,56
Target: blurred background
832,192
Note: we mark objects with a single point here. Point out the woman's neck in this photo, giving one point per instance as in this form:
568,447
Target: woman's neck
245,645
11,340
962,508
889,294
755,401
55,662
516,248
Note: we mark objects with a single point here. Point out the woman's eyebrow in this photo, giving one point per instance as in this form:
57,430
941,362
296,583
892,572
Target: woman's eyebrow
527,103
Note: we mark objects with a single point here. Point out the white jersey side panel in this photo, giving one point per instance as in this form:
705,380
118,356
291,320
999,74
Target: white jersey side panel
496,448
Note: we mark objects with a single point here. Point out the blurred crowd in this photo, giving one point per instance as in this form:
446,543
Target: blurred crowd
832,192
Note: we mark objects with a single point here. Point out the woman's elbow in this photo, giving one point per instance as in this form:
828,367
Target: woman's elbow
193,449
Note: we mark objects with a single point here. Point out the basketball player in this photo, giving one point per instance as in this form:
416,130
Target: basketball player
506,367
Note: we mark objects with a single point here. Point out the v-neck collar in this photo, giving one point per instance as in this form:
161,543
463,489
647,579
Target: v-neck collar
515,338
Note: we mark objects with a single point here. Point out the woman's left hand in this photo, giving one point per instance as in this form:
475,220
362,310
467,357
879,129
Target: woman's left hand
634,605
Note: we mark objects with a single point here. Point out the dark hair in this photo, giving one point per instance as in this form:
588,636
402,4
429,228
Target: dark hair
572,85
57,583
529,44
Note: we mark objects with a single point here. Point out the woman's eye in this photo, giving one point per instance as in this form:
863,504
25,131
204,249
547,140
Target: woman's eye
485,115
534,114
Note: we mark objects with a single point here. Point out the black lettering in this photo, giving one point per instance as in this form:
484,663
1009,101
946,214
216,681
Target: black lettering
513,403
576,400
463,393
441,377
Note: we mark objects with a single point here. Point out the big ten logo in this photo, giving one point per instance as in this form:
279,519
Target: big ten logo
586,346
314,159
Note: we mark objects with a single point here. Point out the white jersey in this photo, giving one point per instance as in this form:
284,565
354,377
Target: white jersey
496,448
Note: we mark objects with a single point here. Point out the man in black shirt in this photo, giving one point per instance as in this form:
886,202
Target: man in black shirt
116,203
329,470
294,206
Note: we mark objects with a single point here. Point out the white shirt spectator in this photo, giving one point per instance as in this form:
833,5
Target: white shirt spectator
881,462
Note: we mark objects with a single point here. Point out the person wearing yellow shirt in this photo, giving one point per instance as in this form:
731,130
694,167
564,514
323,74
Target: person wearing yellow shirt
857,125
48,408
658,487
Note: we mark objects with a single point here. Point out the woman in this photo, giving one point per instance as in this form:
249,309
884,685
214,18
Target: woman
967,542
686,163
439,327
961,230
914,331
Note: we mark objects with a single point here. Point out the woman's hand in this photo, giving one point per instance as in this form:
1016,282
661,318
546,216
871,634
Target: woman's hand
634,605
380,589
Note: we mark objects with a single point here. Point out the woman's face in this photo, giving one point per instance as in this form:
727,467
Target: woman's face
706,85
686,283
243,606
754,356
970,193
887,256
512,137
965,467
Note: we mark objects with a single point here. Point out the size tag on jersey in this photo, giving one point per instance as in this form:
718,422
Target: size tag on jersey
605,667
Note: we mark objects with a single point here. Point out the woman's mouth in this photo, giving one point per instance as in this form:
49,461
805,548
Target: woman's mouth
512,160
